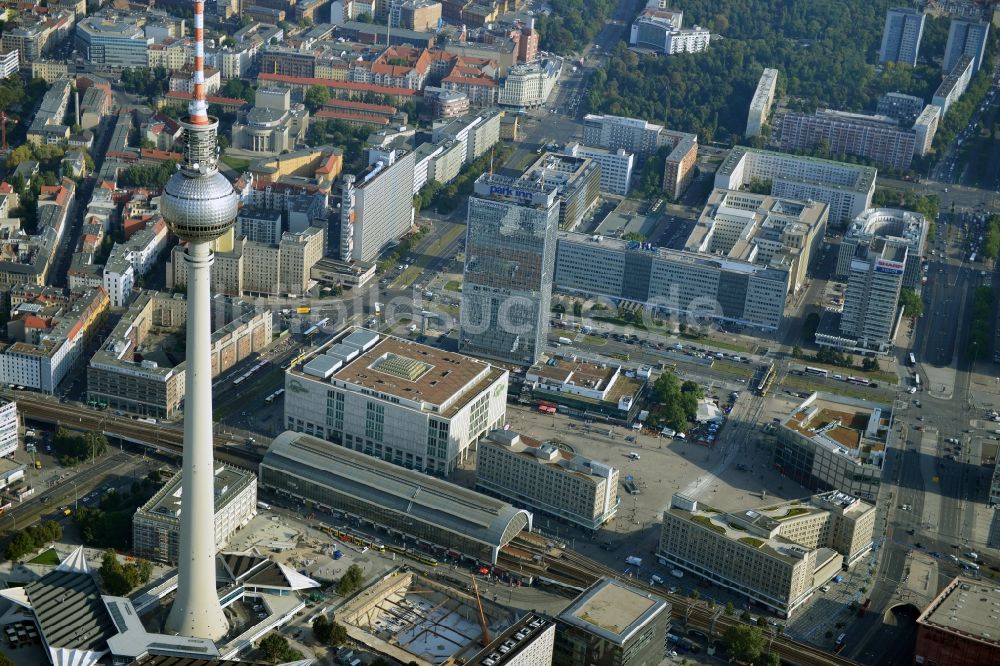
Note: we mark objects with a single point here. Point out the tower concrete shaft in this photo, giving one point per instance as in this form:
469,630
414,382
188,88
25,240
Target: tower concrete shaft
196,610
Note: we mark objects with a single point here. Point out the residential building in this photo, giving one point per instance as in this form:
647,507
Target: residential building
868,320
830,442
273,125
761,229
965,38
9,425
672,281
510,253
476,78
847,188
113,41
876,138
133,259
182,80
616,166
528,86
50,70
577,180
259,268
95,104
612,624
446,103
279,59
528,642
47,126
9,62
259,225
476,132
614,132
419,15
885,224
41,351
421,507
371,393
760,104
904,27
546,478
156,524
954,85
959,626
777,556
678,167
925,127
903,108
31,34
376,206
133,370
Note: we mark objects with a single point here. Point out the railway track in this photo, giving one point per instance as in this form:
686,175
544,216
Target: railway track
713,622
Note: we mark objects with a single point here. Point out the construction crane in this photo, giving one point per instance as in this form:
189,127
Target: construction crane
482,616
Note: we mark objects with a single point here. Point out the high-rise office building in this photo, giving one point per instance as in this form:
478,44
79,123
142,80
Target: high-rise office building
873,283
904,27
510,253
965,38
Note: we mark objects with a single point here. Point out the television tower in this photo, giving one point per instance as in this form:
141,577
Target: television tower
199,205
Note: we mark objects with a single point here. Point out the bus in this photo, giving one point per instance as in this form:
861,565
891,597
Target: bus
302,309
911,359
818,372
861,381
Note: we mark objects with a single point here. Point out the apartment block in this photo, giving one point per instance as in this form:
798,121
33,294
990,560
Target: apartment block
9,428
419,15
376,206
904,27
510,254
965,38
577,180
135,370
372,393
885,224
830,442
760,104
9,63
761,229
672,281
901,107
612,624
847,188
876,138
156,525
777,556
259,225
129,261
678,167
954,85
43,344
545,478
613,132
925,127
616,166
477,132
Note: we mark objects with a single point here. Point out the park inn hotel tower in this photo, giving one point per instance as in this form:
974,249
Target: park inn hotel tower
510,254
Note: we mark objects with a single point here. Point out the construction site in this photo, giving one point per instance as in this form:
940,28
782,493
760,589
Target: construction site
416,620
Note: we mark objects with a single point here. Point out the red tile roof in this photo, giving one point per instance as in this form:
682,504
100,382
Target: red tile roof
340,85
347,115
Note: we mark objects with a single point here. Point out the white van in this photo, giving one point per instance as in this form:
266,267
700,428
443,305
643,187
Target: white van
633,455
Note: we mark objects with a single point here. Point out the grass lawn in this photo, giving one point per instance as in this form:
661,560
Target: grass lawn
235,163
875,376
594,340
843,388
48,557
410,275
737,369
453,285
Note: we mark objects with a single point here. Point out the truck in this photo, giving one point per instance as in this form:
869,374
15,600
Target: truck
634,561
565,341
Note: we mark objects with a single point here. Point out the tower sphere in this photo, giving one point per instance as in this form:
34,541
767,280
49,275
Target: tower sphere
199,207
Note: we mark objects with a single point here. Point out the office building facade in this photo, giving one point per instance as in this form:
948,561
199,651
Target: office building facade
614,132
376,207
371,393
904,27
547,479
892,224
510,253
874,279
678,166
528,642
616,166
847,188
672,281
9,424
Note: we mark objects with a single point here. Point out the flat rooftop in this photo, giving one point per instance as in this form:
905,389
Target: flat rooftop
166,504
854,428
613,610
543,453
861,179
967,608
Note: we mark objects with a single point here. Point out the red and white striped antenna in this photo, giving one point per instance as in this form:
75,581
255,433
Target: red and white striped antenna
198,110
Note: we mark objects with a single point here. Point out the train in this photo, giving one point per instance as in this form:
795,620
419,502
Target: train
349,536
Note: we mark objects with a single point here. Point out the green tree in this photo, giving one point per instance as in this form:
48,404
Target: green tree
730,608
274,647
744,642
351,581
577,309
329,633
911,301
771,659
315,97
6,661
18,155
